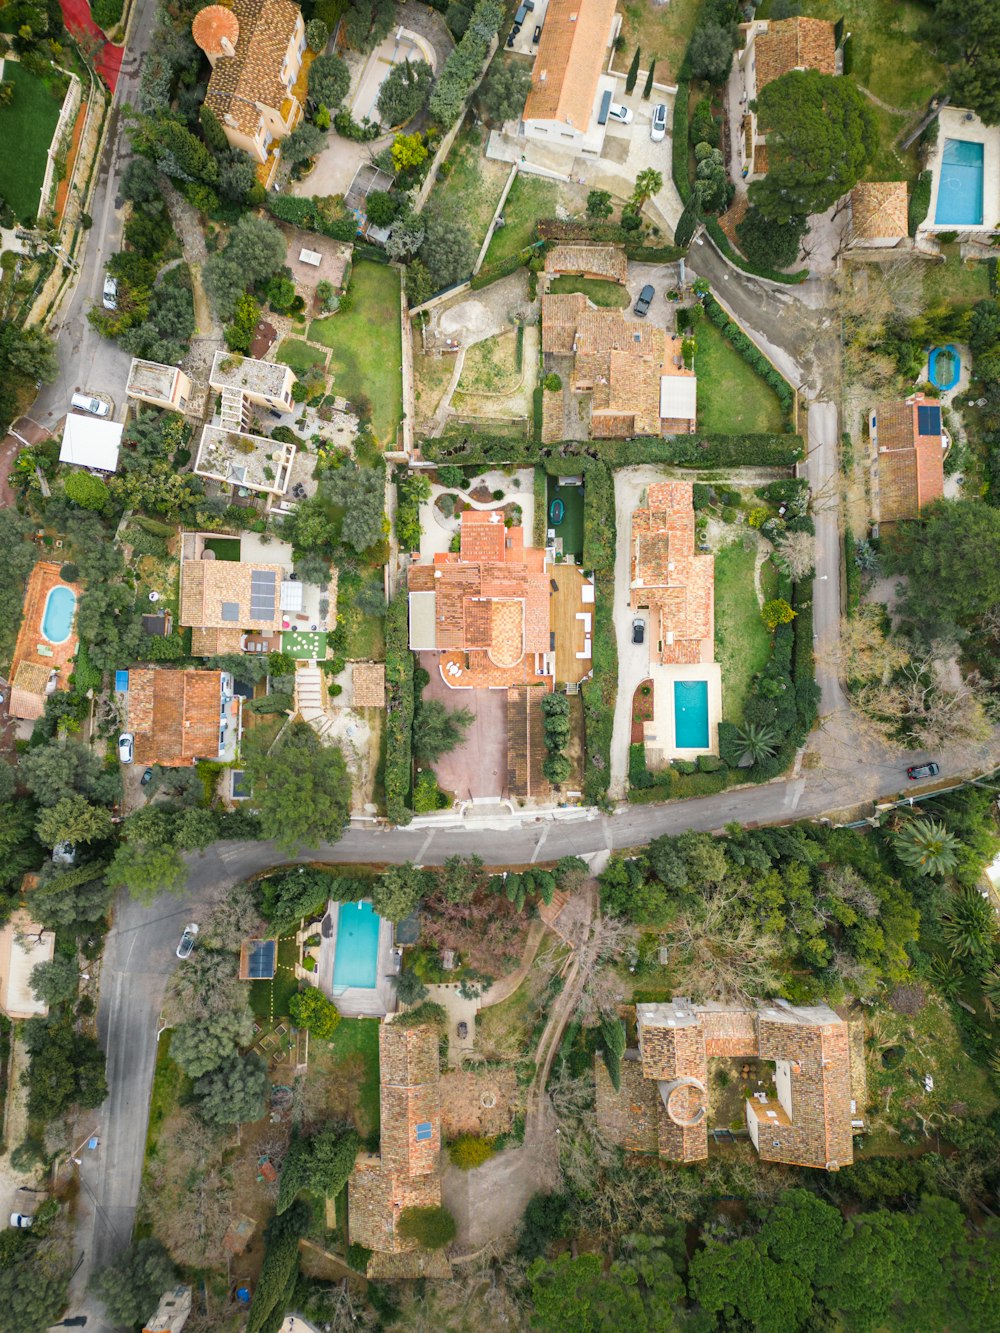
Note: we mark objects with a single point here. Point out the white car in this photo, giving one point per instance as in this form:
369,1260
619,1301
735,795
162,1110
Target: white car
658,125
86,402
21,1221
126,747
110,297
620,113
187,940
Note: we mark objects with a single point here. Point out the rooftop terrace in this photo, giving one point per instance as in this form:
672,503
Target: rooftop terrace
151,379
232,371
251,461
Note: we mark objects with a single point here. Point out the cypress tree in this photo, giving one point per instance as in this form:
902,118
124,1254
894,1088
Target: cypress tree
633,72
649,80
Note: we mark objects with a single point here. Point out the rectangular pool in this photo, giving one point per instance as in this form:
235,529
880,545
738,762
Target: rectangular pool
691,714
355,962
960,184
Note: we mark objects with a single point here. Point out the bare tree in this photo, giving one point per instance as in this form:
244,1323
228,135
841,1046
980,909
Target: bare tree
795,553
723,953
206,984
189,1192
234,920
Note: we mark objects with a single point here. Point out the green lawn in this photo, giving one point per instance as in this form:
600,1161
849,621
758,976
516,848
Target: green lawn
359,1036
732,397
300,355
269,999
597,290
225,548
26,128
955,282
742,644
366,342
889,164
471,191
530,198
170,1087
661,31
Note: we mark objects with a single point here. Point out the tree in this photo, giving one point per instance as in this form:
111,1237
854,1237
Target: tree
320,1163
146,871
56,980
32,353
776,612
397,891
382,208
710,53
317,35
432,1228
301,789
557,768
970,924
757,742
577,1293
255,252
409,988
33,1291
233,1093
613,1047
406,238
599,205
74,820
329,80
133,1283
140,181
72,899
404,92
66,1069
211,128
633,71
984,328
970,35
941,554
310,1009
687,223
768,243
648,87
821,135
408,151
57,770
279,1269
207,1042
438,730
237,175
206,986
359,494
712,187
648,182
926,846
503,92
795,553
448,251
305,141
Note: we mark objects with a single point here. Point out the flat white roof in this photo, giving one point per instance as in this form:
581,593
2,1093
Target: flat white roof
91,442
678,397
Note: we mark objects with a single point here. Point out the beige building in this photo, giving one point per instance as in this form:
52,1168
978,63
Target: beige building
569,82
233,448
255,48
171,1313
265,384
158,385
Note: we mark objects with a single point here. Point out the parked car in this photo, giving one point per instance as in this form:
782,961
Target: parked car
187,940
126,747
923,771
86,402
21,1221
463,1030
620,113
638,630
146,778
641,307
658,125
536,36
110,300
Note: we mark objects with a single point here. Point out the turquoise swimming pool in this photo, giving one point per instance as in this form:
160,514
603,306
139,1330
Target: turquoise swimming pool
691,714
355,962
960,184
57,618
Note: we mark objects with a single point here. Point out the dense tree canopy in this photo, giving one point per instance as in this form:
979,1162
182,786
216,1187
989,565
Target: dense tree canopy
968,31
301,789
942,554
132,1285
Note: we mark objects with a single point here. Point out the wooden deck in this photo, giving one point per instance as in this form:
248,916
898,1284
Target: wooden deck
563,608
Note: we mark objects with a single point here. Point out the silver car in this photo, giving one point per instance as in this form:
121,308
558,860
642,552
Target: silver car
658,125
187,940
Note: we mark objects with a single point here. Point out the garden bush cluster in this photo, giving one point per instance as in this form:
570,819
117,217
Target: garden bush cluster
464,66
698,451
399,711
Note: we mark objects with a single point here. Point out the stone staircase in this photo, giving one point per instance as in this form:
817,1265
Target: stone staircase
231,409
310,699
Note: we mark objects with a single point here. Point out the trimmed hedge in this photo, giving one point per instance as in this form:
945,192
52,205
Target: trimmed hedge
698,451
465,65
501,269
750,353
541,493
920,202
679,144
399,711
601,690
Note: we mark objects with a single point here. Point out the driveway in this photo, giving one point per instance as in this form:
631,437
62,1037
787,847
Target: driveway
478,767
662,278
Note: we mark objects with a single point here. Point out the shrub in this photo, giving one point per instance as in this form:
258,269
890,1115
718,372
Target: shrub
469,1151
399,710
465,64
311,1009
427,796
920,201
552,382
69,573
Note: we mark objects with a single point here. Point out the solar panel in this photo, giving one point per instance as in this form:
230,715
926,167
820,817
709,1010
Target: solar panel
262,594
423,1131
230,611
929,420
261,962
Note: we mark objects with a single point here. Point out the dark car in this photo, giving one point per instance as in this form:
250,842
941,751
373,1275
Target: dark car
638,631
923,771
645,301
146,778
463,1030
536,36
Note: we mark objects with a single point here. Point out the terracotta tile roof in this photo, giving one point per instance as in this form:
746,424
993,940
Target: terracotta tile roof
209,642
368,684
663,1100
570,60
213,27
910,466
668,577
560,315
795,43
207,584
482,535
174,715
377,1197
253,74
593,261
879,210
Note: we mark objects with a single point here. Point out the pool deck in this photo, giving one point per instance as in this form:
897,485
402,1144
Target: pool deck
660,733
957,123
357,1001
32,648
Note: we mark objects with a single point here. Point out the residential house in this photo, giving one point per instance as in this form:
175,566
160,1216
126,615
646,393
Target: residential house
91,442
406,1173
180,716
567,104
632,372
158,385
171,1313
805,1117
588,261
879,215
908,446
250,384
255,48
771,49
23,945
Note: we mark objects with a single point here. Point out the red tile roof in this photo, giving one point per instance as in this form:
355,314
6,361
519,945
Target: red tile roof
668,577
174,715
910,466
570,59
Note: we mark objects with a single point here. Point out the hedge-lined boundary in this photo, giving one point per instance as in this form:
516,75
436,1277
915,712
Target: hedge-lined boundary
399,711
750,353
695,451
600,692
539,526
920,202
714,229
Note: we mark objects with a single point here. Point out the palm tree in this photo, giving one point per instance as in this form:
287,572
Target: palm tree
926,846
970,927
946,975
648,182
757,741
991,990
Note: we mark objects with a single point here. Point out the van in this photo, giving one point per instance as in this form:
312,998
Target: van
85,402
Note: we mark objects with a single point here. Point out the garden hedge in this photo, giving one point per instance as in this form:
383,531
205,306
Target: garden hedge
600,691
697,451
501,269
920,202
399,711
541,493
312,214
750,353
679,143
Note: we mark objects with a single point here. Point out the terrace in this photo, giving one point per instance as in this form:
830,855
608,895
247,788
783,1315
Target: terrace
265,380
248,461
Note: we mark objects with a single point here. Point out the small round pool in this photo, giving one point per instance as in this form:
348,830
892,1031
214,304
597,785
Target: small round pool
944,366
57,618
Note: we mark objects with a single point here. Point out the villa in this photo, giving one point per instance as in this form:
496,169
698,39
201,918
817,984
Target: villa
965,176
805,1116
908,447
46,641
159,385
177,717
770,50
567,106
255,48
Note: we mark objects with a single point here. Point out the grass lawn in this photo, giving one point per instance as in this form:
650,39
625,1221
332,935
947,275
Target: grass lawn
269,999
365,633
955,282
225,548
597,290
491,366
731,396
530,198
26,128
352,1053
300,355
366,342
742,644
170,1086
661,31
471,191
889,164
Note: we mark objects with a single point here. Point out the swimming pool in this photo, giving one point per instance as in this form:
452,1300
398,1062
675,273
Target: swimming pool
691,714
944,366
355,962
960,184
57,618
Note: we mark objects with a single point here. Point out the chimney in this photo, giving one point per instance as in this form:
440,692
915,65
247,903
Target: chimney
227,47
